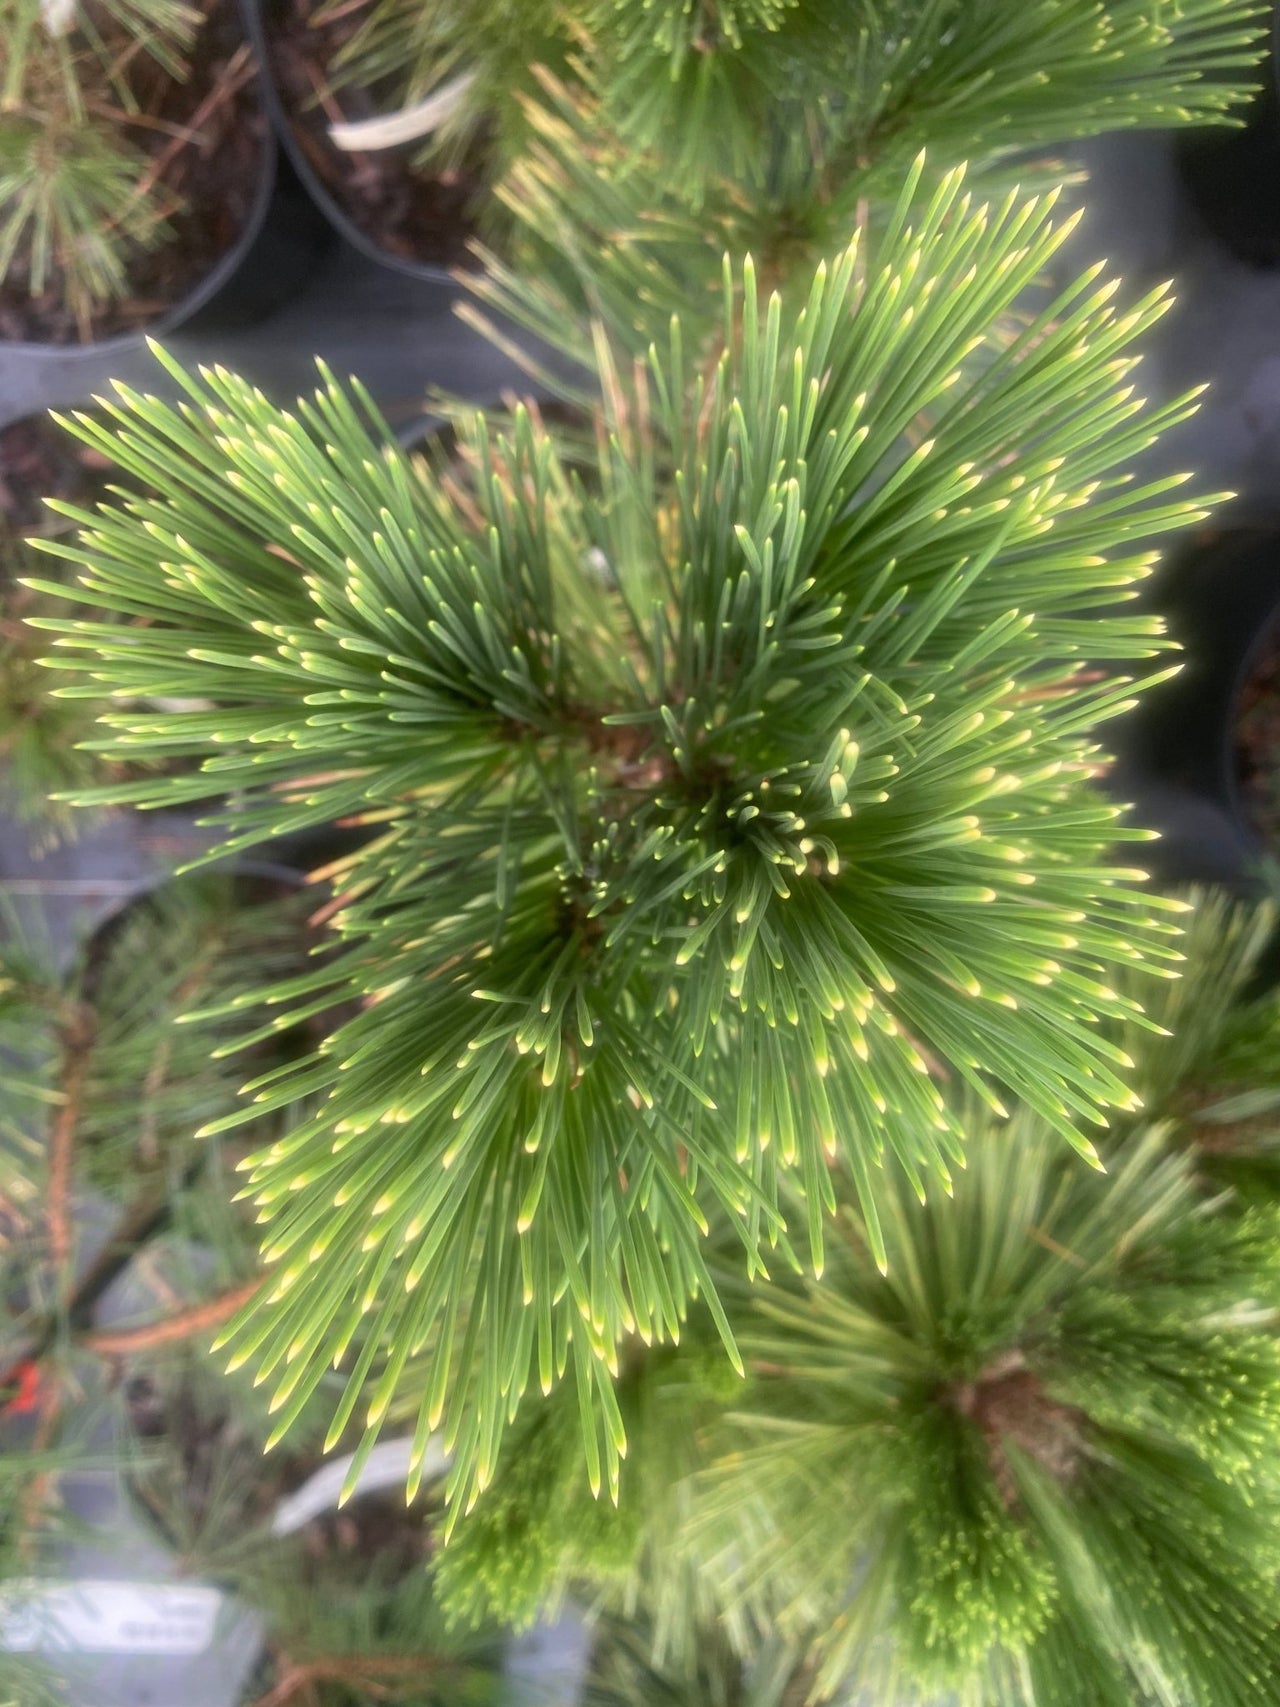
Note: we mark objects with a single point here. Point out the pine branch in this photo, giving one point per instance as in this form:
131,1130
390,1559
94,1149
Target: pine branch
78,1037
198,1319
730,799
1035,1462
630,185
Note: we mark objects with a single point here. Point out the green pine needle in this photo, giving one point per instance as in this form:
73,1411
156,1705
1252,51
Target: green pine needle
1214,1066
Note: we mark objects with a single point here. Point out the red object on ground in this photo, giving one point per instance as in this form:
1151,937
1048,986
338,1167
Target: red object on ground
26,1376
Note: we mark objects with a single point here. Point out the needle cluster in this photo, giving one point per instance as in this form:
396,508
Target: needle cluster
727,799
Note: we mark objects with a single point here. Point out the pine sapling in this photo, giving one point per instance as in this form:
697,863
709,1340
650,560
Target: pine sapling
684,131
74,201
728,797
1033,1464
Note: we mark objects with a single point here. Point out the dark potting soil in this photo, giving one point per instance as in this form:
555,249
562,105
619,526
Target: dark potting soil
1257,736
211,1460
209,171
376,1531
408,212
211,1455
38,461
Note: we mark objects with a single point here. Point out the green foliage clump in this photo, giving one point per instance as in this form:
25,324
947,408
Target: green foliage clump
1036,1461
970,1579
534,1529
74,204
782,138
724,801
767,126
536,1533
111,1087
695,78
1214,1065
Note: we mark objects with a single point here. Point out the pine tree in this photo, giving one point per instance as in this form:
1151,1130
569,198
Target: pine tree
73,206
776,118
624,1673
733,867
1032,1464
780,130
727,796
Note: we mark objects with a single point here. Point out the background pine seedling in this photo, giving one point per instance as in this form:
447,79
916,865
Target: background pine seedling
864,85
71,214
346,1600
153,1082
537,1536
108,1090
1034,1463
1214,1067
72,203
475,61
376,1643
624,1672
102,1094
725,800
767,126
684,132
32,1525
344,1603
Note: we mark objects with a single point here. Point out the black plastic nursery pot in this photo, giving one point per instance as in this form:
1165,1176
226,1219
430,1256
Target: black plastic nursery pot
1180,750
315,160
282,239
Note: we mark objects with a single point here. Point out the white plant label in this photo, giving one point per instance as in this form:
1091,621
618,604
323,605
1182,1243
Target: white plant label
107,1617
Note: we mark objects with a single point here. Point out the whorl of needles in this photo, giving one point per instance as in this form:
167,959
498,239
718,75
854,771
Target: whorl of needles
729,801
